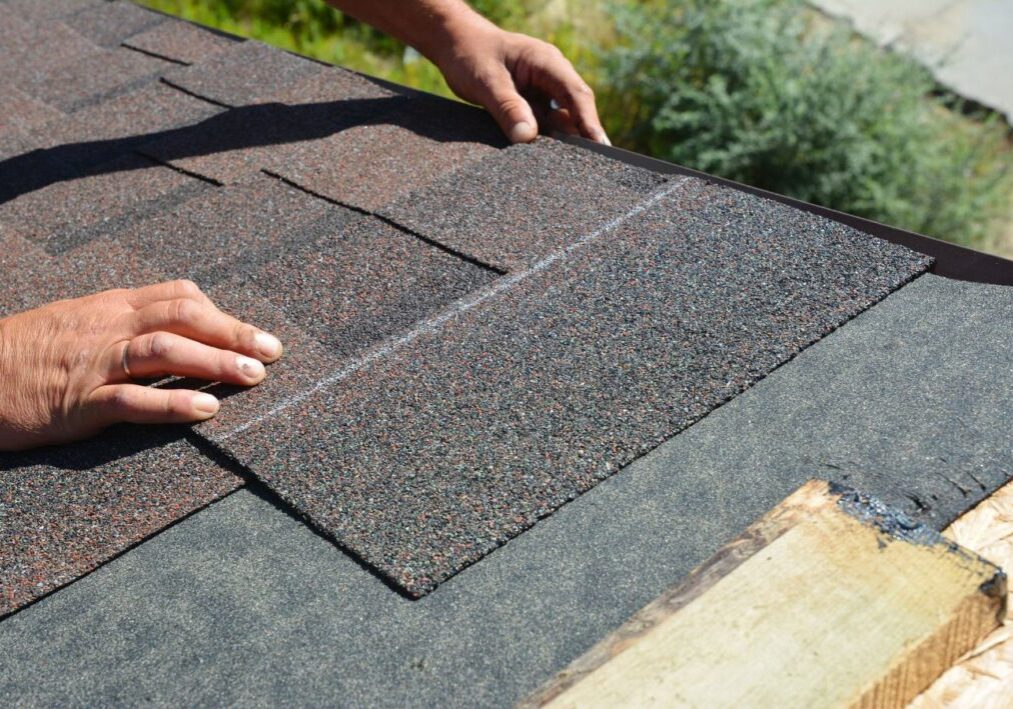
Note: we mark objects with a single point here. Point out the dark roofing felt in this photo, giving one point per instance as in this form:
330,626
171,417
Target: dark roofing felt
243,604
515,325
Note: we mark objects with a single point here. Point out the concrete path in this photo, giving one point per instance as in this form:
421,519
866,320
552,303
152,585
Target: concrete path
968,44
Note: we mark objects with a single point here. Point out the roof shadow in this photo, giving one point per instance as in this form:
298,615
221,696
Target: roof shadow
115,444
252,126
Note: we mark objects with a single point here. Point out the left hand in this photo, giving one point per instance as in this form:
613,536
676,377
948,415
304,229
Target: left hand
517,78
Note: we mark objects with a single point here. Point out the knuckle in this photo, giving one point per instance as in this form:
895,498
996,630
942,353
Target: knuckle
184,311
185,288
120,400
159,345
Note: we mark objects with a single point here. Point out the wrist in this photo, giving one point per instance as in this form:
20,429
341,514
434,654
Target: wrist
456,31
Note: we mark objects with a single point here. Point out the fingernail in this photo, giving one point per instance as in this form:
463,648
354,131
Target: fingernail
267,345
206,404
522,132
605,139
251,368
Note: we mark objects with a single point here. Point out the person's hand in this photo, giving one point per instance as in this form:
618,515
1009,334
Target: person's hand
526,84
66,368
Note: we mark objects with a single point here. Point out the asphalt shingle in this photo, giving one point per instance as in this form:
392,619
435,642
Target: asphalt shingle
110,23
397,147
180,42
223,231
457,436
34,49
67,510
69,212
244,74
96,78
20,113
514,207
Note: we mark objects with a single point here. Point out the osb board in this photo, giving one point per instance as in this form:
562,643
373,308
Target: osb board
830,600
983,678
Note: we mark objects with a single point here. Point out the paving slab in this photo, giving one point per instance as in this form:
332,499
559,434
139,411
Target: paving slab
179,41
65,511
442,443
244,74
514,207
916,390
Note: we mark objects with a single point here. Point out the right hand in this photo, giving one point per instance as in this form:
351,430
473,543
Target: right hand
64,366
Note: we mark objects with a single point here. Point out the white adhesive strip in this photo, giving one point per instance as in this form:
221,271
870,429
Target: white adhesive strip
459,307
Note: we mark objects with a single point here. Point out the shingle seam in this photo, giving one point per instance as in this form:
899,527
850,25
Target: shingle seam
193,94
180,170
435,323
245,474
156,55
425,239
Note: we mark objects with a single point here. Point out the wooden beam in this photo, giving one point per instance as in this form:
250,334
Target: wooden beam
830,600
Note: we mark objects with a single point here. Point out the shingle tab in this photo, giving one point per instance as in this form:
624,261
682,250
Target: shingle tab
20,113
94,78
33,49
395,150
224,231
180,41
69,212
245,74
110,23
67,510
513,207
462,433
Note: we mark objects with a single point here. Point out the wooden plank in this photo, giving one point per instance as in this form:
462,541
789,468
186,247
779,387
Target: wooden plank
983,677
830,600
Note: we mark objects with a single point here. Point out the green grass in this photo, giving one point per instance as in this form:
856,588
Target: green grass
745,89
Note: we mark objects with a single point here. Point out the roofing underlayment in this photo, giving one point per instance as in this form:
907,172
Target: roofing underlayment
476,335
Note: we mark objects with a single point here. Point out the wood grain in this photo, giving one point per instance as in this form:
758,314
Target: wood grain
829,600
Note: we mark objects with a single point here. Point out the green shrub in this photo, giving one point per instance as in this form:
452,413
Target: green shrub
748,90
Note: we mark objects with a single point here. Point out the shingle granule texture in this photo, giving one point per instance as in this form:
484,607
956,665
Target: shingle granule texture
95,78
111,129
36,10
33,49
180,42
110,23
400,147
451,439
514,207
243,74
67,213
67,510
235,144
223,231
20,113
346,284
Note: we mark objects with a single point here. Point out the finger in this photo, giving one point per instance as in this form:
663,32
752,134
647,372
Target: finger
561,121
205,323
159,354
555,75
132,403
499,95
169,290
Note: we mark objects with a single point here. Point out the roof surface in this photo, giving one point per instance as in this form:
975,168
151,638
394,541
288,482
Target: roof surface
476,335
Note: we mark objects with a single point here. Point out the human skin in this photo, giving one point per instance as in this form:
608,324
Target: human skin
515,77
67,368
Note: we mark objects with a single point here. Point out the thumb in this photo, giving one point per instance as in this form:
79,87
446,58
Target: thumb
511,111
